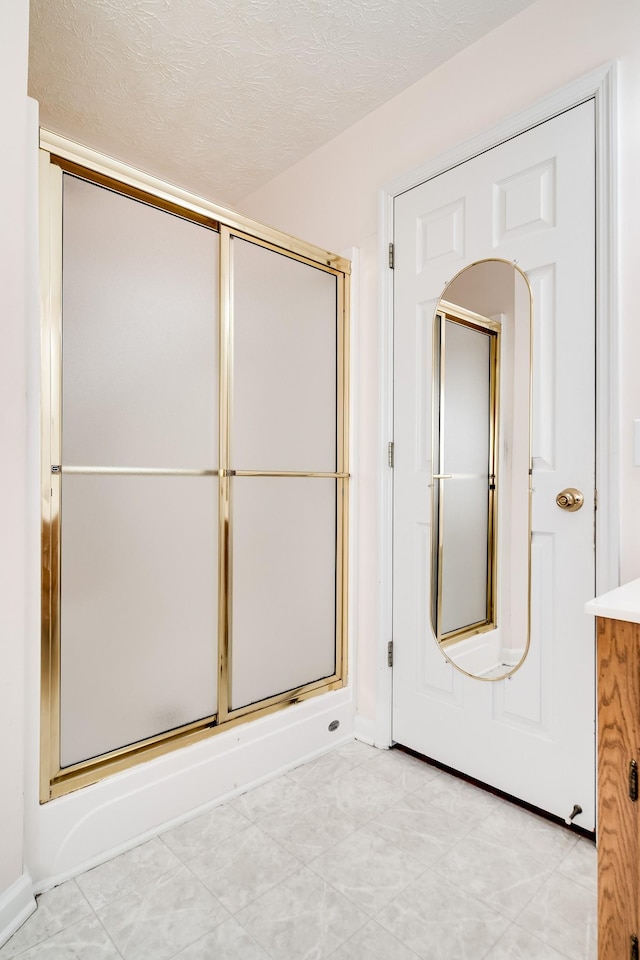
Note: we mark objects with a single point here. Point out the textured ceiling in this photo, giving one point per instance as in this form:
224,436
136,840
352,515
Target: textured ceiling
219,96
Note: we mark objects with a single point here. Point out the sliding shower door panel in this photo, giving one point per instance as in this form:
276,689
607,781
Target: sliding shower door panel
286,358
139,609
284,406
139,467
283,618
140,334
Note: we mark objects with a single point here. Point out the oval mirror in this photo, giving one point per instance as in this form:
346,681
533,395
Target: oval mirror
481,456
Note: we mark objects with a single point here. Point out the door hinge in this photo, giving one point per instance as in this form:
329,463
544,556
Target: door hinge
390,453
390,653
595,499
633,780
392,257
634,954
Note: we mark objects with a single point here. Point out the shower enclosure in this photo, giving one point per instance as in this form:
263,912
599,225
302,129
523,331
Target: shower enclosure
194,468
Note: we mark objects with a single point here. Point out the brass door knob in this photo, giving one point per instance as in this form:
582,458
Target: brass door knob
570,499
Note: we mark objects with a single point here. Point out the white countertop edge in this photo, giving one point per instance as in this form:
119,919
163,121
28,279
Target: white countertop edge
623,603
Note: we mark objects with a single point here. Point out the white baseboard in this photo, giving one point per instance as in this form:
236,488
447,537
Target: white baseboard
16,905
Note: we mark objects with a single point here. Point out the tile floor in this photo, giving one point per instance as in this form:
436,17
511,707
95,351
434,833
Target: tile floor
359,855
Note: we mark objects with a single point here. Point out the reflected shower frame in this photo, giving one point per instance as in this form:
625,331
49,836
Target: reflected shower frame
58,156
449,312
466,317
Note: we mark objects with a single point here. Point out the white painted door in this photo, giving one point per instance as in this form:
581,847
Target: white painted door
531,200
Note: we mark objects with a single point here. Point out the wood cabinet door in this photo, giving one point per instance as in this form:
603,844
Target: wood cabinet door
618,746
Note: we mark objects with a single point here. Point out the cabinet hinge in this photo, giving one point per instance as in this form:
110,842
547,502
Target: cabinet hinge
634,948
633,780
390,453
390,653
392,257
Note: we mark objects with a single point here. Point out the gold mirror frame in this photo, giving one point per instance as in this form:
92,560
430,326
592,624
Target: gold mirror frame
463,315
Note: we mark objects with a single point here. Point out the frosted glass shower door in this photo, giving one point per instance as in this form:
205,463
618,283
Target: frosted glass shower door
284,585
138,619
139,464
286,486
194,468
284,407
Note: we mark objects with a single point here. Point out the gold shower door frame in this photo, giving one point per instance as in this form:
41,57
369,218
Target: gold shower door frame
57,156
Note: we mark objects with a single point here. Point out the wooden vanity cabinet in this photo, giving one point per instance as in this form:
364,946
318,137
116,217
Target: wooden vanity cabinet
618,670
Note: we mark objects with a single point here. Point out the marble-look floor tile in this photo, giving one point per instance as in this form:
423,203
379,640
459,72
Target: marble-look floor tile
459,798
357,751
528,833
402,769
229,941
200,834
243,867
368,870
309,829
420,829
373,942
517,944
303,918
358,817
581,864
495,873
564,914
268,798
126,873
361,794
163,917
85,940
440,922
57,909
315,773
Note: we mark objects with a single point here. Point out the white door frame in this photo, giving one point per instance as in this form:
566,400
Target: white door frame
601,85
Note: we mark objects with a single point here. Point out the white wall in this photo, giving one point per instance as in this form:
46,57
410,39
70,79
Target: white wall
13,122
331,198
15,892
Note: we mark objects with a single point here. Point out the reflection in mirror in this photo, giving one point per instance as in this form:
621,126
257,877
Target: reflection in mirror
481,440
466,351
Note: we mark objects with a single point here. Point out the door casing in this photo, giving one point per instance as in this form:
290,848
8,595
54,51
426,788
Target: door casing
599,84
